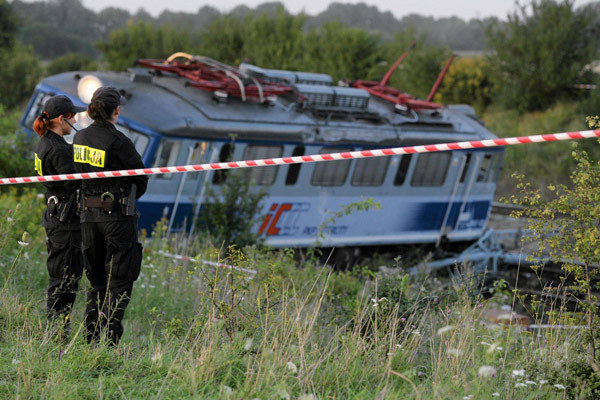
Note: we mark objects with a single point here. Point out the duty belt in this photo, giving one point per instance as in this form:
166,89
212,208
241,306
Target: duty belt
105,201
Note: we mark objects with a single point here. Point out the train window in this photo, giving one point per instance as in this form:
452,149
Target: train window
484,168
36,108
294,169
465,170
370,171
495,168
140,141
225,155
262,175
431,169
331,173
402,169
166,156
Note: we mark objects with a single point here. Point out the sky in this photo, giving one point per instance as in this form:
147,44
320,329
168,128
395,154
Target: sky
465,9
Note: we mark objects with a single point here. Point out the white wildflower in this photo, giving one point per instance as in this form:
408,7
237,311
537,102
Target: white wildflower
469,397
530,383
308,396
290,366
506,307
496,394
520,384
416,332
543,382
399,346
445,329
248,344
227,390
22,244
485,343
454,352
487,371
15,361
499,348
518,372
9,219
376,301
559,386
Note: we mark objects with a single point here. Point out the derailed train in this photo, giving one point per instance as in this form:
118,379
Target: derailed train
192,110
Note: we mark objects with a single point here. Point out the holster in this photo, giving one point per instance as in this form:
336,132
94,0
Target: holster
66,209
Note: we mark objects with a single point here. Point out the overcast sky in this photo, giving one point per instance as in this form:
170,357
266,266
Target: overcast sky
465,9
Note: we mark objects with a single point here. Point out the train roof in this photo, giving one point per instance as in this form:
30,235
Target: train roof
167,103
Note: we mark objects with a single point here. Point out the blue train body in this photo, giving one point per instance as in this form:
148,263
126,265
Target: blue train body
424,198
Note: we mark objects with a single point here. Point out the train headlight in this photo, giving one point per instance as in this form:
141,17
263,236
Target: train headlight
87,86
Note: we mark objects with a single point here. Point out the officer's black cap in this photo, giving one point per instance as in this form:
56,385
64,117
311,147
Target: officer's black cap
60,105
109,96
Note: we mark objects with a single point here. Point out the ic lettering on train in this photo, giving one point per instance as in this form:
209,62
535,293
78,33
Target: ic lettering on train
281,219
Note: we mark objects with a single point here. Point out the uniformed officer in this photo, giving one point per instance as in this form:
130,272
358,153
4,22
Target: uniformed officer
109,220
53,155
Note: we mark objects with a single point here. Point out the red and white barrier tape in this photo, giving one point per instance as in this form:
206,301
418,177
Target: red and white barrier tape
312,158
205,262
585,86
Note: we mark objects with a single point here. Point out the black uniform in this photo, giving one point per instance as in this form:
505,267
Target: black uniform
53,155
111,250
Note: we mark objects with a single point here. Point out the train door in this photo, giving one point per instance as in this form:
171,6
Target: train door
463,183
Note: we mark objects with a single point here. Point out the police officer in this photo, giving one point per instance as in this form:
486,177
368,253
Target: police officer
109,220
53,155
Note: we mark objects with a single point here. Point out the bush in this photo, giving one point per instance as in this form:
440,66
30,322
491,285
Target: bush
19,74
467,82
71,62
229,215
538,55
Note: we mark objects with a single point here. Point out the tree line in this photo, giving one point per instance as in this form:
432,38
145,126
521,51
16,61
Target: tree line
534,56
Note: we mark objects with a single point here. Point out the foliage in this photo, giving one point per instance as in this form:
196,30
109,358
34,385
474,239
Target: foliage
274,42
223,39
342,52
545,164
8,25
536,71
58,27
143,40
71,62
566,232
15,148
229,214
467,82
419,70
19,74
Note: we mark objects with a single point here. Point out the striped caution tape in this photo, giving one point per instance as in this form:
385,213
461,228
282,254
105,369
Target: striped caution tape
205,262
585,86
311,158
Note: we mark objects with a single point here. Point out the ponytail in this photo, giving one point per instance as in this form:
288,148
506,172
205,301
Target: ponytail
40,125
98,111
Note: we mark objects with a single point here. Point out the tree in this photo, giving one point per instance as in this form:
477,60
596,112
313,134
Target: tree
467,82
274,42
342,52
539,54
143,40
8,25
419,70
71,62
19,74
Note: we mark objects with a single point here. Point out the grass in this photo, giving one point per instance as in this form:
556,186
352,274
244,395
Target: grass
291,332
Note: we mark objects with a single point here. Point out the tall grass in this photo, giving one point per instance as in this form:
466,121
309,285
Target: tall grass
294,330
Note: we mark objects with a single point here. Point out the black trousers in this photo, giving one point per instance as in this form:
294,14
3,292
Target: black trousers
65,267
113,259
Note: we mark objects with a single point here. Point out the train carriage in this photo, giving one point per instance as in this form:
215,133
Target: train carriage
424,198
